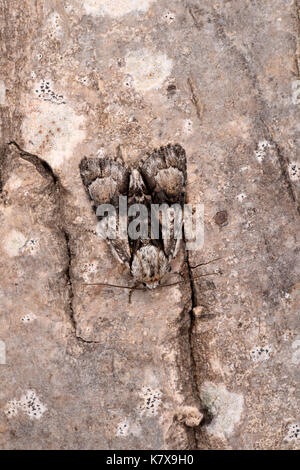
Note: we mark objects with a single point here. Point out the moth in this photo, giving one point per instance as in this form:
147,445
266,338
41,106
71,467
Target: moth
159,178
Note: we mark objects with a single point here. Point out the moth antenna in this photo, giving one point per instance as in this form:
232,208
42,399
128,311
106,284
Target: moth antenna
192,182
143,288
208,262
112,285
188,280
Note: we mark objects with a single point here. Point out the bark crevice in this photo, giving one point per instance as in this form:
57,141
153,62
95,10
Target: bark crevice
45,170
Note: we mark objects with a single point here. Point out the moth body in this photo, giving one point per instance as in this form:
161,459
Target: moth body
149,265
160,178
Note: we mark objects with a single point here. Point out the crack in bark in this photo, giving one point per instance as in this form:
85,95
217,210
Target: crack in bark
195,389
46,171
262,105
190,9
268,134
195,99
69,280
41,165
297,54
71,290
283,162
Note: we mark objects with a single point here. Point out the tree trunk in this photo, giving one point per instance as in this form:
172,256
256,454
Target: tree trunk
97,367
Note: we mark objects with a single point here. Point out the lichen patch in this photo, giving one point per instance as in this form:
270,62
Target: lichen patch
28,318
151,401
2,93
294,171
53,132
115,8
225,407
261,150
44,90
13,243
29,404
148,70
260,353
296,352
293,433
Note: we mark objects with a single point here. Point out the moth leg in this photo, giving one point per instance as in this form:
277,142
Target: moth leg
133,288
130,295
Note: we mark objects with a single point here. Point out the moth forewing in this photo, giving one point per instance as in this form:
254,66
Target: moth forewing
160,180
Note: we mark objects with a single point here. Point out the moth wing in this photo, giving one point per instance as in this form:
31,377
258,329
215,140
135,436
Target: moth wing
164,172
105,179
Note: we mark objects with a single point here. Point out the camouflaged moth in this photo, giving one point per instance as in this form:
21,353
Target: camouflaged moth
159,178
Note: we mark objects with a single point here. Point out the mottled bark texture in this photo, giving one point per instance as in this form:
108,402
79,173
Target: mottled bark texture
84,368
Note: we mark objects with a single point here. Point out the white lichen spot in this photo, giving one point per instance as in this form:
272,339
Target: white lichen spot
54,24
115,8
293,432
32,405
11,409
148,70
296,344
260,353
123,428
28,318
31,247
287,335
53,132
151,401
188,126
2,353
90,268
132,118
245,168
101,152
168,17
2,93
69,7
241,197
13,243
128,82
177,294
296,92
44,90
296,357
296,353
294,171
13,183
260,152
29,404
83,80
225,407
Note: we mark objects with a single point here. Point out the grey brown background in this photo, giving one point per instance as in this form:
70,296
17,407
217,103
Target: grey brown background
84,368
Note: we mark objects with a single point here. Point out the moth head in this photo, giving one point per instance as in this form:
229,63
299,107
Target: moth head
149,265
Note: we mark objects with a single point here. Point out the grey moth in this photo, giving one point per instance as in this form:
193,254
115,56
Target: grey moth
159,178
